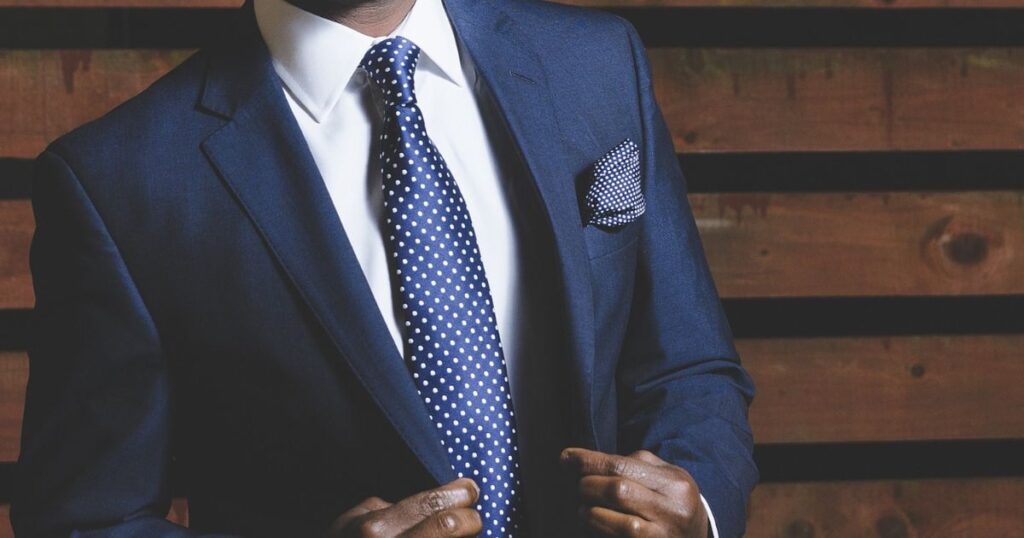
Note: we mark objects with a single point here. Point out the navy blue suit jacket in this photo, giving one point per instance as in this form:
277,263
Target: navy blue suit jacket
198,306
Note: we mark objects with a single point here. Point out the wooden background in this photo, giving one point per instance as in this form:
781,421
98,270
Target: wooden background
856,173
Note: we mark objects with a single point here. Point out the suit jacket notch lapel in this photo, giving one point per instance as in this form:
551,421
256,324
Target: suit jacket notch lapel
262,157
514,73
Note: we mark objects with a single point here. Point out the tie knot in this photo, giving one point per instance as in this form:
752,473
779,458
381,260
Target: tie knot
391,64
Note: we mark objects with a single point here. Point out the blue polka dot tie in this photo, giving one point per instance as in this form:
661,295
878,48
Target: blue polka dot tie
451,336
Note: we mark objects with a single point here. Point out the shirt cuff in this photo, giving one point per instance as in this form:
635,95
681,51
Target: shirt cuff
711,517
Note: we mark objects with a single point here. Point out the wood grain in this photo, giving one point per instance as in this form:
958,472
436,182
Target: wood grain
16,227
872,509
844,244
841,99
47,93
889,509
818,390
715,100
13,379
786,245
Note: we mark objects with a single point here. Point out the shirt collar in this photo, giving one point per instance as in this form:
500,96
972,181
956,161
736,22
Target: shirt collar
316,58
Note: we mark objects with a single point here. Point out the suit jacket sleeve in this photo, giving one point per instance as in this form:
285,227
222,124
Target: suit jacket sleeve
683,393
95,445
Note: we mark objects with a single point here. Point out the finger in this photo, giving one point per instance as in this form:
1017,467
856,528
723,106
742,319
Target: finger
649,457
457,522
371,504
590,462
623,495
408,512
608,522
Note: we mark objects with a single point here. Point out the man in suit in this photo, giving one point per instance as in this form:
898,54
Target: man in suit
382,268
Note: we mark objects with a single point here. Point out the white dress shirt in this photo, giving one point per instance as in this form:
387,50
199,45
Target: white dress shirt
340,116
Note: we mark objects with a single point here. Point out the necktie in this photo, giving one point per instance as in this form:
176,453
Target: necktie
451,337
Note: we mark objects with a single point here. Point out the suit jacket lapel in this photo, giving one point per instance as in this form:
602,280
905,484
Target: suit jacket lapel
512,70
261,155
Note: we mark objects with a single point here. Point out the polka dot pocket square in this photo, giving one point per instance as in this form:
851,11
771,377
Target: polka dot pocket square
613,197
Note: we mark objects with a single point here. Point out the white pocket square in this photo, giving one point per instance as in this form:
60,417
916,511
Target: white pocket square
614,197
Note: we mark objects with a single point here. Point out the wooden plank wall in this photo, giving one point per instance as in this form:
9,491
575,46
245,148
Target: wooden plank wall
860,194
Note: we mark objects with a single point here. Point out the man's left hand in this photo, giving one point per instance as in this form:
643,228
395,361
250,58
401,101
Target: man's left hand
636,495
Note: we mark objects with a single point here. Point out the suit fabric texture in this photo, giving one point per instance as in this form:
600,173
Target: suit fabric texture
203,328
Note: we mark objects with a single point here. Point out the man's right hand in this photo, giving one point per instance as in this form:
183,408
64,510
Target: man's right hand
446,511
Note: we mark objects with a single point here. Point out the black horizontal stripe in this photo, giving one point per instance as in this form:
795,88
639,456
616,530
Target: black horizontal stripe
890,461
826,27
853,171
14,329
782,172
15,178
661,27
799,317
875,316
99,28
6,481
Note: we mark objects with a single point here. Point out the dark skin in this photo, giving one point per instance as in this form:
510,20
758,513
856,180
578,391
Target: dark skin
446,511
370,17
635,495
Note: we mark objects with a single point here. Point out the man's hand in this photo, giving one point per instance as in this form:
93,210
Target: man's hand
446,511
637,495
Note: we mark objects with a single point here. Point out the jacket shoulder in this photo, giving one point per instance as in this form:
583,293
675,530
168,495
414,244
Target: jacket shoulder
579,45
582,26
588,52
162,112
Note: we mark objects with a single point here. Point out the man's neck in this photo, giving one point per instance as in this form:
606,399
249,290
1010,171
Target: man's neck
371,17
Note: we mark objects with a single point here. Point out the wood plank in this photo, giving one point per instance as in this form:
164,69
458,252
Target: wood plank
895,4
786,245
13,379
844,244
841,99
889,509
714,99
817,390
47,93
886,508
16,227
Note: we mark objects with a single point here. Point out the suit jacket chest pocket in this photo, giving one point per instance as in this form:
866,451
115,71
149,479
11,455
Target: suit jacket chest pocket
613,264
603,242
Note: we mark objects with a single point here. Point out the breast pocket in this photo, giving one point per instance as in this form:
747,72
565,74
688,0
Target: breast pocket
603,242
